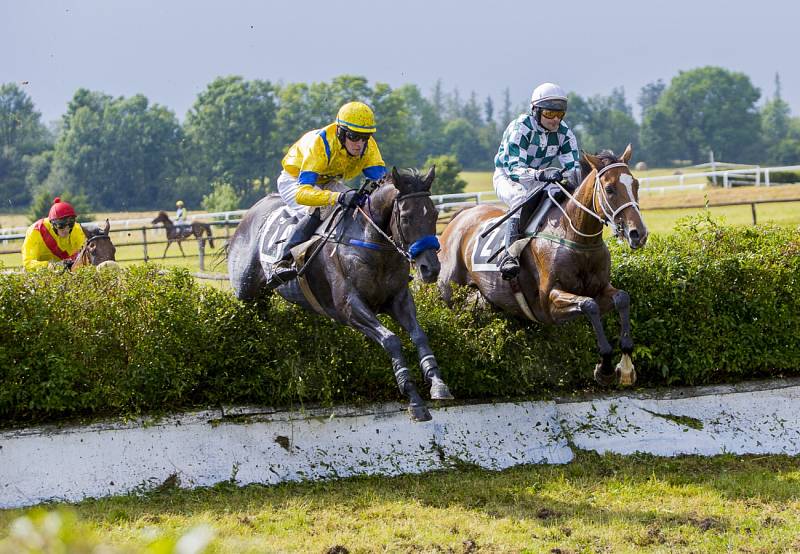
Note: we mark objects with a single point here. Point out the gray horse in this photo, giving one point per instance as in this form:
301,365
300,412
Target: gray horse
361,271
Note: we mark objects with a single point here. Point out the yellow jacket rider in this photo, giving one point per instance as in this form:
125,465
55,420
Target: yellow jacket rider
315,166
54,240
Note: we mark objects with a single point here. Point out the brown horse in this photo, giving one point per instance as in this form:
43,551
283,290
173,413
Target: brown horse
565,266
181,232
97,250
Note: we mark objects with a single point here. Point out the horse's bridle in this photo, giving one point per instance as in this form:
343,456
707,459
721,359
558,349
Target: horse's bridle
600,197
408,251
85,248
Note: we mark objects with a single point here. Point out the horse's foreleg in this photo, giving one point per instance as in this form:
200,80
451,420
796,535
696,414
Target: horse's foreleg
565,306
404,311
364,320
181,247
621,301
165,249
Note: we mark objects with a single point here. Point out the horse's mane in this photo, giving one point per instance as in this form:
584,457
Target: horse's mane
412,177
607,157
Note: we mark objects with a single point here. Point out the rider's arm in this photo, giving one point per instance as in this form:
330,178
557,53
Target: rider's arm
569,154
34,251
372,163
512,152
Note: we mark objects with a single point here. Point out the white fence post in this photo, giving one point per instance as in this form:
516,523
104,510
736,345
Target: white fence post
725,183
758,175
766,177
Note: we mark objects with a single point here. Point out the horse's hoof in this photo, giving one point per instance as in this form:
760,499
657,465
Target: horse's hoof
439,391
419,413
625,371
604,379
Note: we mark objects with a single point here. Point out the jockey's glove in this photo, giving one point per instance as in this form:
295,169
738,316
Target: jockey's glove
549,175
68,263
351,198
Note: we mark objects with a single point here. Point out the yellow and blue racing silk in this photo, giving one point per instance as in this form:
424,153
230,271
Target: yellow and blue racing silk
318,158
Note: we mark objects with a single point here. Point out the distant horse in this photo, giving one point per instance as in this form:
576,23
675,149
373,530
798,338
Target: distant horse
566,266
362,271
182,231
97,250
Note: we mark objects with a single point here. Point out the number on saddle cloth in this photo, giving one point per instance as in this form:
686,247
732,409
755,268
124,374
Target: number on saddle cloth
485,247
274,234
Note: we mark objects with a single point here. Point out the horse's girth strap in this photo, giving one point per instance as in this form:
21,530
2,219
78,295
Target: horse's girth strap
303,282
520,298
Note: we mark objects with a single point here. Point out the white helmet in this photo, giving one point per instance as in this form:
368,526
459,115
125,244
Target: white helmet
549,96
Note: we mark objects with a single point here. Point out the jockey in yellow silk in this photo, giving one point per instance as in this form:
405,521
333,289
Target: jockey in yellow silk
54,240
314,169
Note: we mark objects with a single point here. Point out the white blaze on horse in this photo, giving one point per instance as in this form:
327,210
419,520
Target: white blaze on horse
565,264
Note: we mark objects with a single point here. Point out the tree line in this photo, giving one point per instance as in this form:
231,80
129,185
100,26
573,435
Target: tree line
128,153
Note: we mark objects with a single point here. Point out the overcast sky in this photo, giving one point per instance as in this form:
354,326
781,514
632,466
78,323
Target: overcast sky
169,50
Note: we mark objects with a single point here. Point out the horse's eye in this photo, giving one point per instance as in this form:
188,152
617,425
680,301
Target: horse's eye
404,219
610,189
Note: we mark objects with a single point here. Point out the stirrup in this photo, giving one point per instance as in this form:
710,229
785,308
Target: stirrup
509,267
283,272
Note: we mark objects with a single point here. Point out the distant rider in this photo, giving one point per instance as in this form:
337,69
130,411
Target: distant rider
54,240
314,170
530,143
180,213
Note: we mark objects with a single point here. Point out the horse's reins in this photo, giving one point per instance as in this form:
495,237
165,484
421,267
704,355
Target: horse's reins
85,253
417,247
599,193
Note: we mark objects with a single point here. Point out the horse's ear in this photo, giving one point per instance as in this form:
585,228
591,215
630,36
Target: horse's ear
107,227
395,175
398,182
593,161
626,156
428,180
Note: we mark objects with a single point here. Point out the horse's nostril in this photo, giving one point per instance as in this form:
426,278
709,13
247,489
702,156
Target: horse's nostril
634,235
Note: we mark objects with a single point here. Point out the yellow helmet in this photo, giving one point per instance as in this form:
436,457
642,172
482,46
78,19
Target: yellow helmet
357,117
179,203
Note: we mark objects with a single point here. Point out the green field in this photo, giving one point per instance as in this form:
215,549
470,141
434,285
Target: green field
596,503
658,221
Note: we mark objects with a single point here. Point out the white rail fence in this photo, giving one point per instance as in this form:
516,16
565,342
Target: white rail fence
757,175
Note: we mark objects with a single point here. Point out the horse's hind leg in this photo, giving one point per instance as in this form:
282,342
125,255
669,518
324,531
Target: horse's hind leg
165,249
621,301
362,319
565,306
404,312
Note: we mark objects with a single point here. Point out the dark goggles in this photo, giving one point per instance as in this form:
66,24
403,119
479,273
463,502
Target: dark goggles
356,137
63,223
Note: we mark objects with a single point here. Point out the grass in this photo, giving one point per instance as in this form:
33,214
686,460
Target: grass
597,503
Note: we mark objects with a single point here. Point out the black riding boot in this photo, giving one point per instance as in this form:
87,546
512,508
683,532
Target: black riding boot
509,265
283,270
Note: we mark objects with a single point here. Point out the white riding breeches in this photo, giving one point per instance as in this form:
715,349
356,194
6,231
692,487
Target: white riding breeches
287,188
513,193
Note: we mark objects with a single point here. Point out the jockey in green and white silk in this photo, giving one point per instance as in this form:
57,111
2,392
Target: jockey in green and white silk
522,165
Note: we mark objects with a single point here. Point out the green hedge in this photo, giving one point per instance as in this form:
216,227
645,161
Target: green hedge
710,304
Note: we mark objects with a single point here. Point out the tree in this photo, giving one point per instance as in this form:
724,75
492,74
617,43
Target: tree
231,128
602,122
121,153
709,108
649,95
505,113
775,121
447,180
222,198
22,136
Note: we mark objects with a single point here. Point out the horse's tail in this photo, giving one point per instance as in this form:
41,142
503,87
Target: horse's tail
207,227
221,255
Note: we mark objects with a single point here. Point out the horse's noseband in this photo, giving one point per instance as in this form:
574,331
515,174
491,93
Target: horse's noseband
428,242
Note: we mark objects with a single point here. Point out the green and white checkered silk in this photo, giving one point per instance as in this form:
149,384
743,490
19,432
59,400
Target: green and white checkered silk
528,145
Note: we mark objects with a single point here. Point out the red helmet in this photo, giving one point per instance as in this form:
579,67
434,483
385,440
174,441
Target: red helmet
61,209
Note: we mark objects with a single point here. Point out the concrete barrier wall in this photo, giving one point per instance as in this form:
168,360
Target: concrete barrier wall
249,445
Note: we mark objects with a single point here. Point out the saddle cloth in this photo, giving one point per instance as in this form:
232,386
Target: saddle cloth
489,246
